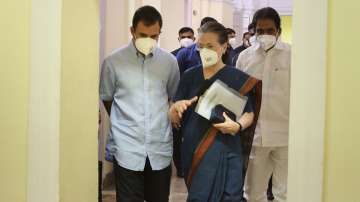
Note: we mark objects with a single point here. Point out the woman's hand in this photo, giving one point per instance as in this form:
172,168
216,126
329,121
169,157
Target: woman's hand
228,127
177,110
232,127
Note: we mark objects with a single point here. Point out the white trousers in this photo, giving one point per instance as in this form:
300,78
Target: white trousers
263,162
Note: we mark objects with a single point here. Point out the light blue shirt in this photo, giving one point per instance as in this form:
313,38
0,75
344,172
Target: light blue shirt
140,89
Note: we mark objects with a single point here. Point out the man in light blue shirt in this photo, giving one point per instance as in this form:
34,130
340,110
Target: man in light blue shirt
137,82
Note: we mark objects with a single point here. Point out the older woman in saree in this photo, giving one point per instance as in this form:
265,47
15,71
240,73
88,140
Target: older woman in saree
213,154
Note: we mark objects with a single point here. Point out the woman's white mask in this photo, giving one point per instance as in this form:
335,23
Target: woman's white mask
208,57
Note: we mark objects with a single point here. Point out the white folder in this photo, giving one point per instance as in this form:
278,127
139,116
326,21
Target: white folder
220,93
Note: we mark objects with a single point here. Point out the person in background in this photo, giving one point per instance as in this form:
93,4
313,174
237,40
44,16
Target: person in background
136,84
251,30
247,37
269,60
245,44
231,46
189,57
232,37
186,38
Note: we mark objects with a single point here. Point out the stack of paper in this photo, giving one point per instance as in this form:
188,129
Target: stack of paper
220,93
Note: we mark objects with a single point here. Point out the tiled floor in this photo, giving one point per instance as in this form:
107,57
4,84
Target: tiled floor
178,191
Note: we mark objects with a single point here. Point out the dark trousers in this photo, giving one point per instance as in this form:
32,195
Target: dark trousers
177,140
137,186
100,165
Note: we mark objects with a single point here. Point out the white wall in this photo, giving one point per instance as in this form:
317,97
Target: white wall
222,11
173,13
245,9
228,10
118,16
116,24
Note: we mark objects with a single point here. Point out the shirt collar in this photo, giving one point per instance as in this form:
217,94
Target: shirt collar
280,45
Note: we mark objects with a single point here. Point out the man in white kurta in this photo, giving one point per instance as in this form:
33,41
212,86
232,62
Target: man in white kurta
269,60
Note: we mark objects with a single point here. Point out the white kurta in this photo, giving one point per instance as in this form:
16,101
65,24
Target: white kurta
273,68
269,155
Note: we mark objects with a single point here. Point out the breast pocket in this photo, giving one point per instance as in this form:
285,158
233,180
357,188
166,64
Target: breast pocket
281,81
158,88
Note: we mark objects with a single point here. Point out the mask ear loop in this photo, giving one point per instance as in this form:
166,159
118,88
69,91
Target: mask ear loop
278,33
276,37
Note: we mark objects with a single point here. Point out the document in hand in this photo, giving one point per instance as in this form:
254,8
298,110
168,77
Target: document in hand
220,93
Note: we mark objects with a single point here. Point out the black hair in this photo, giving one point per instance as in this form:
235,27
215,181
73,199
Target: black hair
148,15
251,26
270,14
220,31
186,29
230,31
246,33
206,20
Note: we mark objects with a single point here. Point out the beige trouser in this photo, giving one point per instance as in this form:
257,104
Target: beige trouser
263,162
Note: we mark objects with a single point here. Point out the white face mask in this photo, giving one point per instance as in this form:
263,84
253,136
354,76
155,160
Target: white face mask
266,41
232,42
252,40
208,57
145,45
186,42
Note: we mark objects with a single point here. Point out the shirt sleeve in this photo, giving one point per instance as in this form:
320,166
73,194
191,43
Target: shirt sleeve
249,105
234,59
173,80
182,90
107,82
181,56
238,61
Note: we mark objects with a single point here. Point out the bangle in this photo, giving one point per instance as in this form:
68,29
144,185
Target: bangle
240,126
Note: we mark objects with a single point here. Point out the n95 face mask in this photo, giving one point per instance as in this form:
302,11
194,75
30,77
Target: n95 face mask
208,57
252,40
186,42
266,41
145,45
232,42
